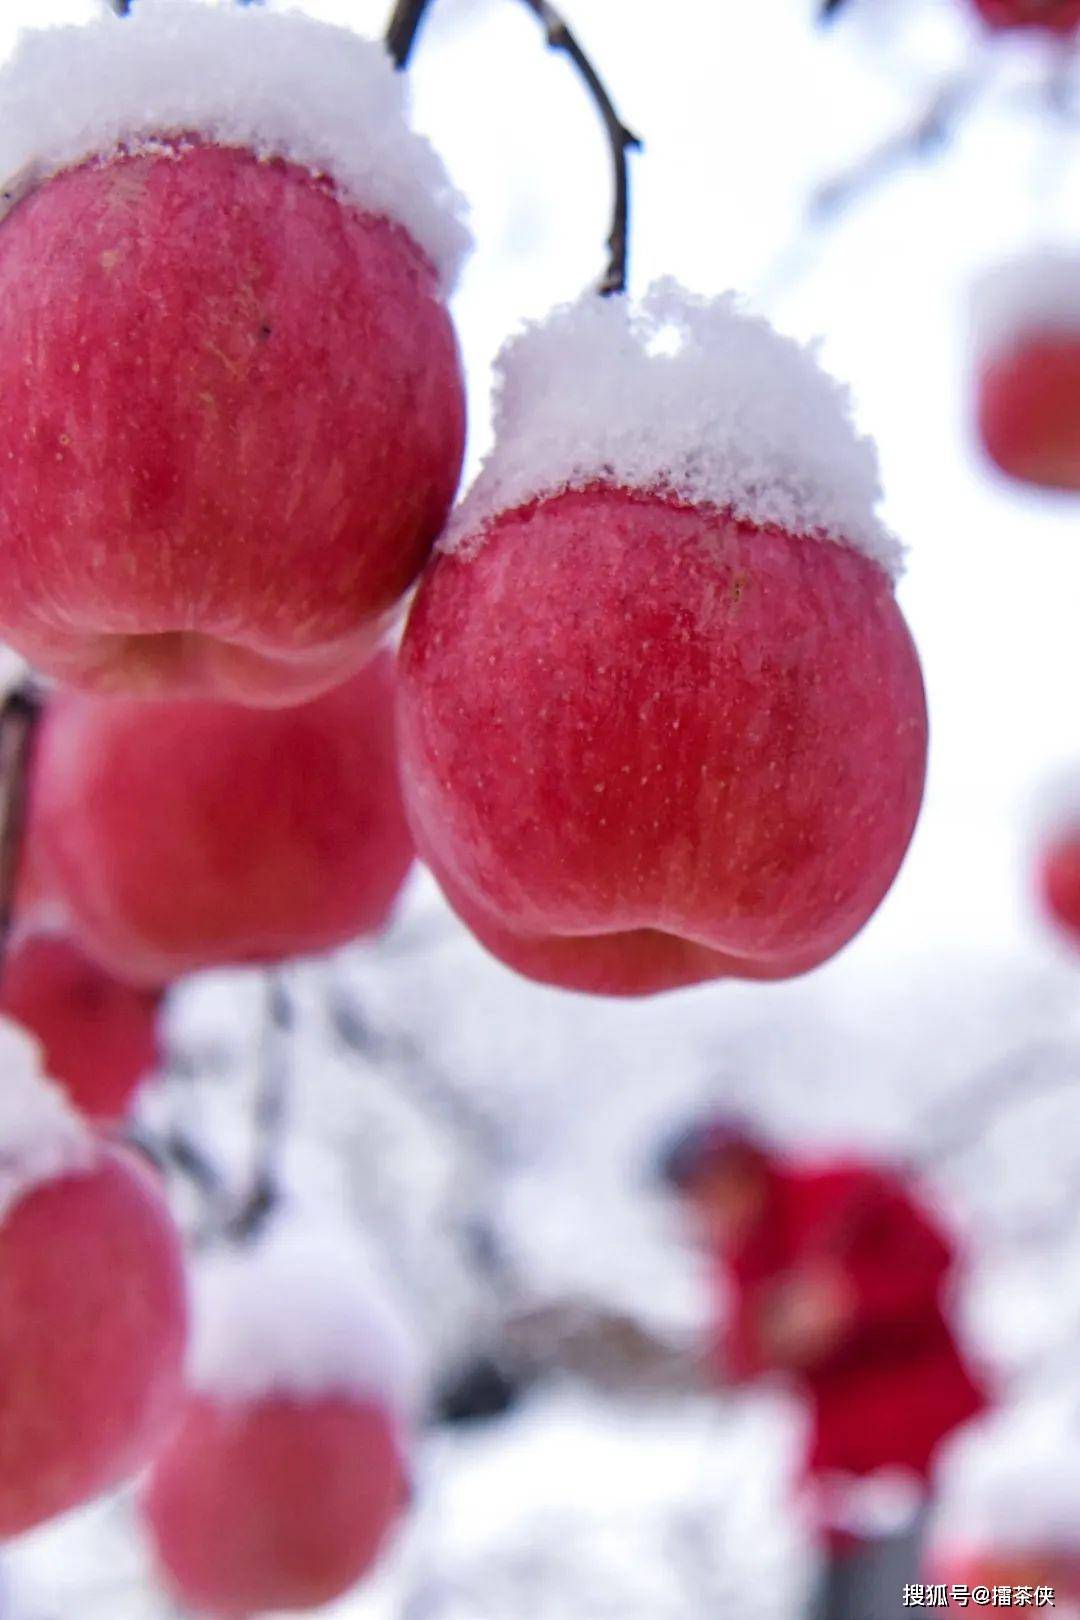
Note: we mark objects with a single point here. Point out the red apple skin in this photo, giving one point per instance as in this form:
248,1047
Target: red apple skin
1059,882
93,1320
1029,410
99,1035
189,833
1056,16
233,424
280,1503
645,745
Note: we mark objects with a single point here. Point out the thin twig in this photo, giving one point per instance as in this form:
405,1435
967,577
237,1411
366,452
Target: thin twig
621,139
401,33
828,9
18,725
402,29
270,1111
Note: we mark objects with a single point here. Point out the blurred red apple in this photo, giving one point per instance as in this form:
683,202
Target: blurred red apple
98,1034
186,833
1029,408
92,1325
646,743
233,424
1059,16
273,1503
1059,880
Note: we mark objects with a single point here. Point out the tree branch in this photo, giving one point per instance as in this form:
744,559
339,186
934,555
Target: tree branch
828,9
18,724
401,34
270,1112
621,140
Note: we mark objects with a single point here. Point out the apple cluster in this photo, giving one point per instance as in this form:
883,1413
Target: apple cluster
655,717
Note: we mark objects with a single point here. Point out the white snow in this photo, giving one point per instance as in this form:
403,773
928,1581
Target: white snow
304,1312
42,1138
691,396
280,83
1013,1483
1030,293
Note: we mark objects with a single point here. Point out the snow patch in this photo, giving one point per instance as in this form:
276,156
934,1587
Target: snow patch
690,396
300,1314
1034,292
42,1138
280,83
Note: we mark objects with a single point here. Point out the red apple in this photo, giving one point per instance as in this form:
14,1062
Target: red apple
233,424
98,1034
92,1330
1058,16
1029,408
186,833
274,1503
1059,881
646,743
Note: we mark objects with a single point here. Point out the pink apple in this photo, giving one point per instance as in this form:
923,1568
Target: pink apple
1029,407
273,1503
186,833
92,1318
98,1034
1059,881
232,426
1056,16
647,743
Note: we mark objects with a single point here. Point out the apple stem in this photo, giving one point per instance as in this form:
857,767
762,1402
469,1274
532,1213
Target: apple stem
19,716
264,1194
401,35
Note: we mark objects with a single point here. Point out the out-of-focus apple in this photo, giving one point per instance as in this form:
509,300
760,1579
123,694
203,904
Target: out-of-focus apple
188,833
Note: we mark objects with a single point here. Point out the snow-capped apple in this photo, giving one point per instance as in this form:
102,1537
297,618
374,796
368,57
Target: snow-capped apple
1027,326
288,1470
661,719
1059,879
98,1034
233,416
1054,16
186,833
92,1303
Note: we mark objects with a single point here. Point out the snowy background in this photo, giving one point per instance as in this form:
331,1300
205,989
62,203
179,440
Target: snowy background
432,1090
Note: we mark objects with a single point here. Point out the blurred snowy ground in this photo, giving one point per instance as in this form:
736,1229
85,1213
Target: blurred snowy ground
949,1034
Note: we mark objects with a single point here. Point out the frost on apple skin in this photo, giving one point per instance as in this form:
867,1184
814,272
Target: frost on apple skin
278,83
683,396
42,1138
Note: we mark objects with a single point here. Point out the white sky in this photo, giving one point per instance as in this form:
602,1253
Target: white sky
744,107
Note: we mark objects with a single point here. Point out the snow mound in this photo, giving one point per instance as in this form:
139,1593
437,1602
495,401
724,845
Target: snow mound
300,1314
42,1138
680,394
280,83
1014,1485
1034,292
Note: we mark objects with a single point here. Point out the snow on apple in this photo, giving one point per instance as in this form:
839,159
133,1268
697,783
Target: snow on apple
92,1303
289,1468
234,411
98,1034
185,833
661,719
1026,316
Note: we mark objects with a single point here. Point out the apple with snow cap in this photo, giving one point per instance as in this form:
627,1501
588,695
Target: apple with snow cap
232,418
188,833
92,1303
289,1468
99,1035
1027,336
1052,16
661,719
